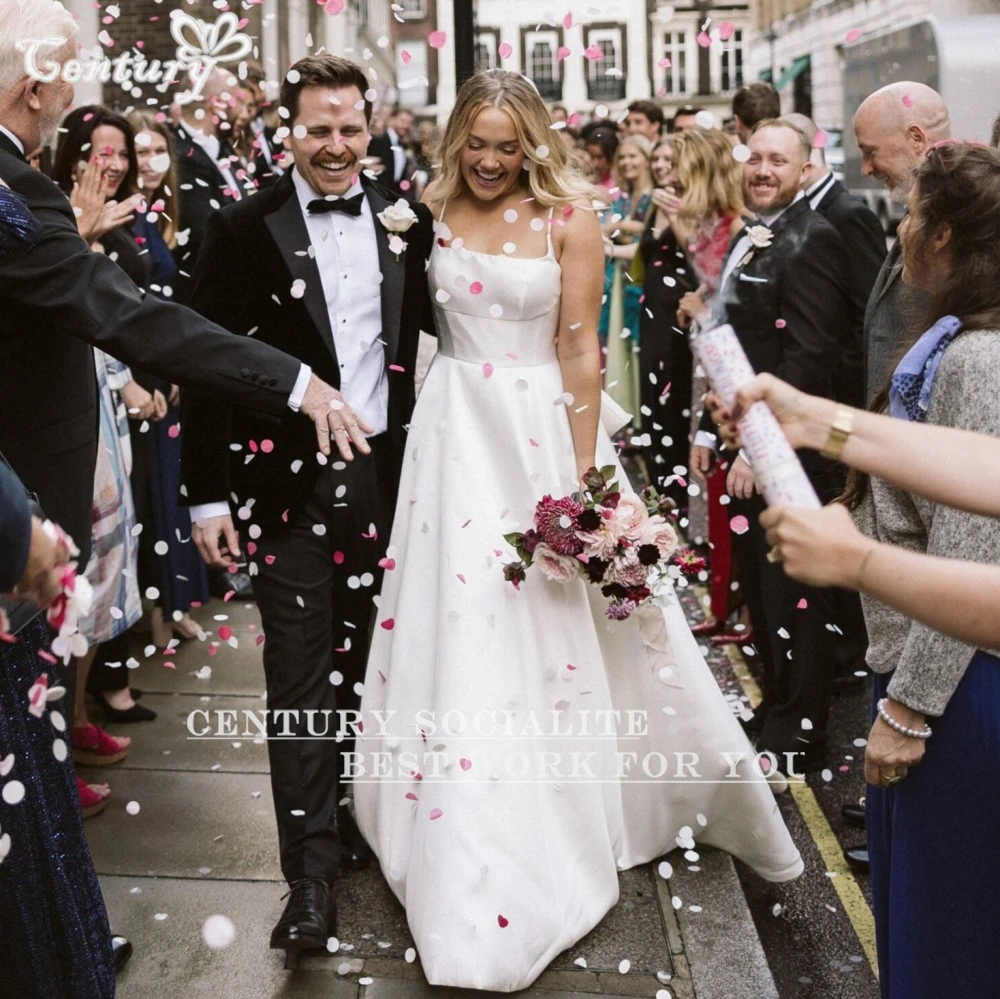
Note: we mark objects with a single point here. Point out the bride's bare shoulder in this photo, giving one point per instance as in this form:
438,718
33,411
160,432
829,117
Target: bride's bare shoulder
578,224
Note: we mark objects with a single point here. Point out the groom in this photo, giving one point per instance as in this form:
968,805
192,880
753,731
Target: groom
324,265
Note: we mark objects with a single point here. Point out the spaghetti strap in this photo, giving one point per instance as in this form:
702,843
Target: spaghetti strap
444,205
548,235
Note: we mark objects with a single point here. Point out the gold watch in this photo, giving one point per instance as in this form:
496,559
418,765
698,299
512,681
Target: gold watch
840,430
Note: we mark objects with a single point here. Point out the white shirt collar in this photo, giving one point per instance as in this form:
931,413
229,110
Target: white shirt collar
817,192
305,192
210,143
13,138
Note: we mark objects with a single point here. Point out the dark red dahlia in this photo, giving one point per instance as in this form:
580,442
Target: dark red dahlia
556,523
648,554
589,520
689,561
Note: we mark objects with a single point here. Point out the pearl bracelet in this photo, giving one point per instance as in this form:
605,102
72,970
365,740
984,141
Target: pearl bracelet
913,733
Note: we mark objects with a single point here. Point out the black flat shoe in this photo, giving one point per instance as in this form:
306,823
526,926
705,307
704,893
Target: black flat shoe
357,853
122,949
857,858
238,583
136,713
854,815
309,919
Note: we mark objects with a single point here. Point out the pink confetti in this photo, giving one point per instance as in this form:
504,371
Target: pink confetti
487,369
269,559
174,430
780,324
802,604
704,39
396,367
664,63
437,39
333,7
267,446
410,796
466,524
251,547
338,558
460,576
563,53
228,596
465,764
259,640
406,57
436,813
476,288
726,30
506,50
568,21
853,35
225,632
575,118
739,524
387,563
503,922
388,624
907,101
533,442
252,445
820,140
593,52
213,648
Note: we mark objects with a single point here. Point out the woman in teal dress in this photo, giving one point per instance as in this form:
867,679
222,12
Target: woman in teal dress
623,278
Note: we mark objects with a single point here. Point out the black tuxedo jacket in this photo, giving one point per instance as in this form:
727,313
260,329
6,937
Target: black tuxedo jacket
60,298
790,303
253,252
862,233
203,190
381,146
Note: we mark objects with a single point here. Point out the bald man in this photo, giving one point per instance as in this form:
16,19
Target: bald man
894,127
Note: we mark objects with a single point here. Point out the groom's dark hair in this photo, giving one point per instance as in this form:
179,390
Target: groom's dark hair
322,71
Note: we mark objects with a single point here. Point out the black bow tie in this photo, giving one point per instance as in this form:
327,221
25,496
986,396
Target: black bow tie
349,206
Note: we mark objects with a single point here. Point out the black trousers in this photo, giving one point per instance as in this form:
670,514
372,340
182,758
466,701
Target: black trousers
796,651
314,584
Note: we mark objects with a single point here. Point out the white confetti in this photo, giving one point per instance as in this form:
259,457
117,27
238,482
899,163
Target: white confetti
132,808
298,288
510,215
665,870
410,956
624,966
13,792
218,932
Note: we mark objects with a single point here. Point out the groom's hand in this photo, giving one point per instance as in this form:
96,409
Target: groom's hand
206,534
334,420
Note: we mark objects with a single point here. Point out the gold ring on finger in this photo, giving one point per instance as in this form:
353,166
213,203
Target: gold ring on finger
774,555
894,779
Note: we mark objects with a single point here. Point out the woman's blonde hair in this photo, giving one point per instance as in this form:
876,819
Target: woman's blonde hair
645,147
551,179
709,174
144,121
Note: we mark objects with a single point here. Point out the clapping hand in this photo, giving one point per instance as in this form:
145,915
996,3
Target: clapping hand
667,201
334,420
48,554
95,214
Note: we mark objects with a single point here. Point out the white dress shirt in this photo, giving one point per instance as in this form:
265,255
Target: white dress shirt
212,146
13,138
398,155
703,438
817,192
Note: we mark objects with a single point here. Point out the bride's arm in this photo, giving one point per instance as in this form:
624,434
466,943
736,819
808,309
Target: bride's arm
582,260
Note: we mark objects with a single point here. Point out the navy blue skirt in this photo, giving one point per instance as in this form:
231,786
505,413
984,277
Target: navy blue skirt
934,843
55,941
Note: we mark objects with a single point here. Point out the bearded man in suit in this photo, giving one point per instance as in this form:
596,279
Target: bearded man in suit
785,290
324,264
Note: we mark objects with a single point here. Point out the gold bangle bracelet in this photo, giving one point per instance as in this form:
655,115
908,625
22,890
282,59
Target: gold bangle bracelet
840,430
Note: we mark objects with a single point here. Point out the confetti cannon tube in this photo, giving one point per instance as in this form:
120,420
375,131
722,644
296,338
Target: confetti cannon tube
779,474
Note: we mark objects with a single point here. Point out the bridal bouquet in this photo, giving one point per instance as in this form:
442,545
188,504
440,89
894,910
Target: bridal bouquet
621,543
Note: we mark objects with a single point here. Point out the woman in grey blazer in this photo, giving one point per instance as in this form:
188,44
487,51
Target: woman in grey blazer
933,753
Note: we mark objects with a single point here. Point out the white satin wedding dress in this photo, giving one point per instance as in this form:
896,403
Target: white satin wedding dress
501,863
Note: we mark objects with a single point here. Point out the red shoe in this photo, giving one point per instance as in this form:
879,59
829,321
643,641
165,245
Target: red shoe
93,747
733,638
707,627
91,802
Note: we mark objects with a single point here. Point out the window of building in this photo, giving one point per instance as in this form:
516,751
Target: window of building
487,43
411,10
675,81
732,63
538,56
606,76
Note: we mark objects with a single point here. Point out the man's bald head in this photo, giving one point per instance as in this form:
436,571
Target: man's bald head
213,107
894,127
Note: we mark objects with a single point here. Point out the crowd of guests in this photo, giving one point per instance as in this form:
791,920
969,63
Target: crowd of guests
766,239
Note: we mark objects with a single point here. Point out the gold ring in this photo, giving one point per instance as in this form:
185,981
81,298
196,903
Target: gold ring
894,779
774,555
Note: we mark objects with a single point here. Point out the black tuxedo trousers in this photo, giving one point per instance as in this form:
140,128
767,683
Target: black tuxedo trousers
309,582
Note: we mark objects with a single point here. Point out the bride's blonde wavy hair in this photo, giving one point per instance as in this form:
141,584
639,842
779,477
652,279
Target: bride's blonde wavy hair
552,180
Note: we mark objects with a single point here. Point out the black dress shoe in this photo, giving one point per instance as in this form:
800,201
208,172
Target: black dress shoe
309,919
854,815
122,949
136,713
357,853
857,858
237,583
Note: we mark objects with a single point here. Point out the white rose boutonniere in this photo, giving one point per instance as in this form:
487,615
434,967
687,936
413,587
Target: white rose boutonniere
760,236
397,219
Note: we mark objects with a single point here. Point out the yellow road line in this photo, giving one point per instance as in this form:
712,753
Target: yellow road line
844,882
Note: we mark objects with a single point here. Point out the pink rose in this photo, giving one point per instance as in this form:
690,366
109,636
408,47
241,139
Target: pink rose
629,571
630,515
656,531
559,568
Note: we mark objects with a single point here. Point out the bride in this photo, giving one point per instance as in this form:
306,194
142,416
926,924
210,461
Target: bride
519,748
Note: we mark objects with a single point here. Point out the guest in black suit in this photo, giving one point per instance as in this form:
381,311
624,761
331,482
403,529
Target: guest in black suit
392,148
210,174
316,264
785,290
864,237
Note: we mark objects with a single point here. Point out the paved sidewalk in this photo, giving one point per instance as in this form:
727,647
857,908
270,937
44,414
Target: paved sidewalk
203,843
